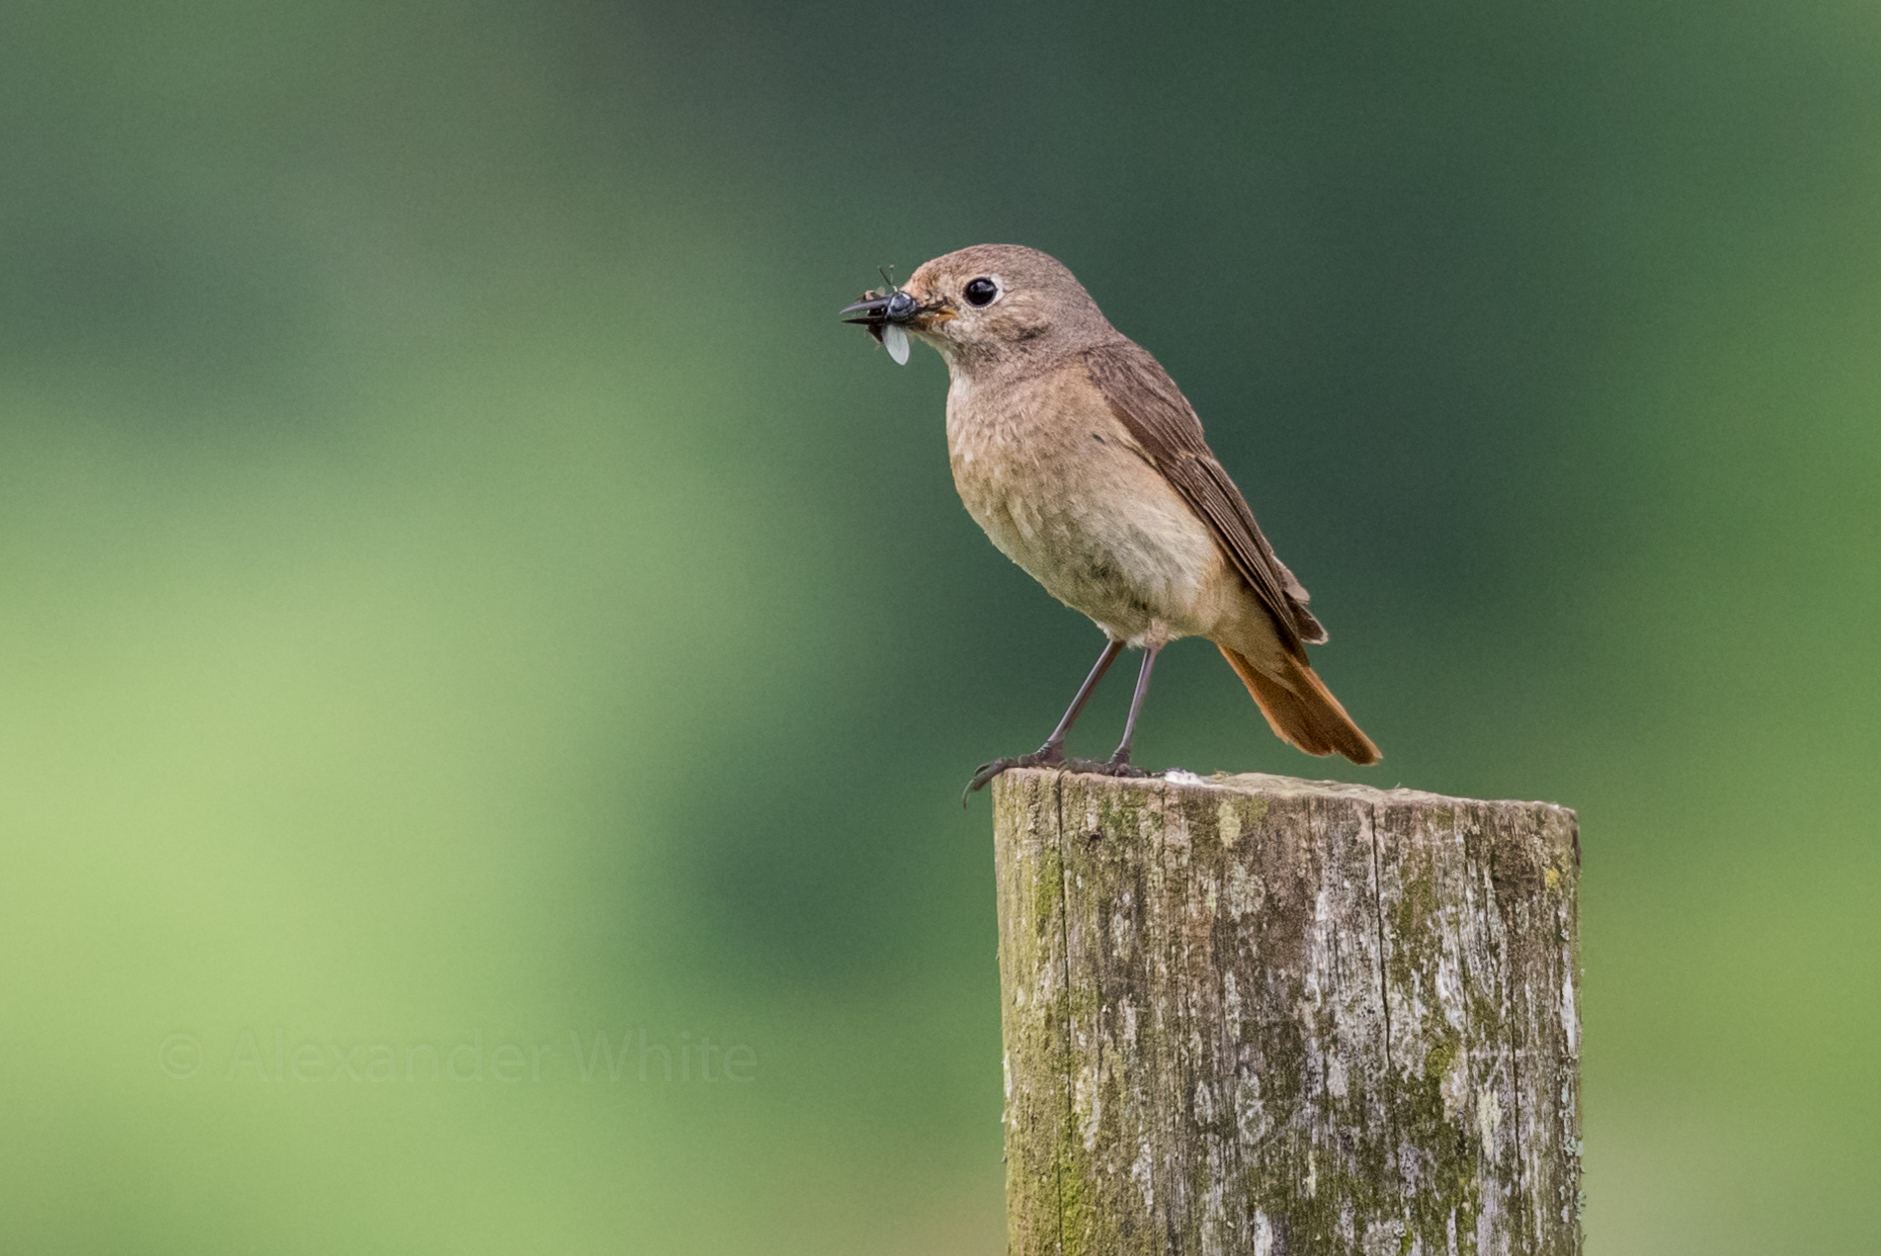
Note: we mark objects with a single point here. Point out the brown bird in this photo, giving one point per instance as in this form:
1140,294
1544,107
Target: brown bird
1086,465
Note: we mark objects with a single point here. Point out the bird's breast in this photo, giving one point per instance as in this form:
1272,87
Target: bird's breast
1048,472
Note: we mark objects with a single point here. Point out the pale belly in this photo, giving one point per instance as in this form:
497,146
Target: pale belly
1099,528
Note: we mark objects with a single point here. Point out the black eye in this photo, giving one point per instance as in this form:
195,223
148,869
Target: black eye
981,291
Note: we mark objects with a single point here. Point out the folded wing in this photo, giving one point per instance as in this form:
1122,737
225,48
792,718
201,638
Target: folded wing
1169,437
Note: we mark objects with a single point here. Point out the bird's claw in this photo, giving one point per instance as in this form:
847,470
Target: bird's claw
1047,756
1114,767
1051,757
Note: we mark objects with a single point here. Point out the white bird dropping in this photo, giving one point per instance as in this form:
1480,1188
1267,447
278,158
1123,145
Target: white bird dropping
895,340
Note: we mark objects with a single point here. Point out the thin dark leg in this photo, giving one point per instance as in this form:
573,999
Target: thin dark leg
1122,756
1057,740
1053,751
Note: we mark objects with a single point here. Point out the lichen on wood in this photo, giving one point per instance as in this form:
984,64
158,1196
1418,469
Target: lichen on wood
1262,1015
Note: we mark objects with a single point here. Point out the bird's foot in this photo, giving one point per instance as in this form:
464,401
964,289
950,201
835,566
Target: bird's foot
1046,756
1116,765
1052,757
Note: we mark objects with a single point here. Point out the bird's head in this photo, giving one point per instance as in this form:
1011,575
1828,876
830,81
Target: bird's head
984,305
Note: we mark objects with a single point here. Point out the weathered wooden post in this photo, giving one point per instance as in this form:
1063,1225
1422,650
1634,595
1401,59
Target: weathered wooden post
1251,1014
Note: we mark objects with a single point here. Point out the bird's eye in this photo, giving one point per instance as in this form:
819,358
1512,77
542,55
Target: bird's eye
981,291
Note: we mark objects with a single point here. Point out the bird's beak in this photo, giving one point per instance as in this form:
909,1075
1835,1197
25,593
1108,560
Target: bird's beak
876,312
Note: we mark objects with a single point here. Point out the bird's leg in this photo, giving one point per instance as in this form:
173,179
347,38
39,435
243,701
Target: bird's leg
1053,751
1054,747
1119,763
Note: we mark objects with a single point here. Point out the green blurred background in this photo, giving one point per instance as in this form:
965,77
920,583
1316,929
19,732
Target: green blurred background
463,585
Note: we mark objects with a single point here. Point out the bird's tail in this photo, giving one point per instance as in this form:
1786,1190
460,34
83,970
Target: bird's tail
1301,710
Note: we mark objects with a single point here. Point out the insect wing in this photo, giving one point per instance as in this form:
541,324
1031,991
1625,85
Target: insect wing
895,340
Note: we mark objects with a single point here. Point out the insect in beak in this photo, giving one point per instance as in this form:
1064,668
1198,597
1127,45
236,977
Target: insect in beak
885,315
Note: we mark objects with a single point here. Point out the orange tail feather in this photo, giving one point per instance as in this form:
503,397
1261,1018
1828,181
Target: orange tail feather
1301,710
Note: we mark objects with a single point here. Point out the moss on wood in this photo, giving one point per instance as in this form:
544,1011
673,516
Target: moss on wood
1256,1014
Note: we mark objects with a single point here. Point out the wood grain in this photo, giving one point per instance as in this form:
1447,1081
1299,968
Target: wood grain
1262,1015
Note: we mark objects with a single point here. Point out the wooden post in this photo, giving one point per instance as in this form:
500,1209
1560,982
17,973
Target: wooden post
1252,1014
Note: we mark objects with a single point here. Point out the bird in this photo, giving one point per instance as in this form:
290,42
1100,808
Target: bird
1084,463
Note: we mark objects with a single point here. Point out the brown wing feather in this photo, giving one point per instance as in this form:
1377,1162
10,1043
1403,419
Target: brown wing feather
1169,436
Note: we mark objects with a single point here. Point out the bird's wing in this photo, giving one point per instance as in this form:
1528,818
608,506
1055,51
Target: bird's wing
1168,436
